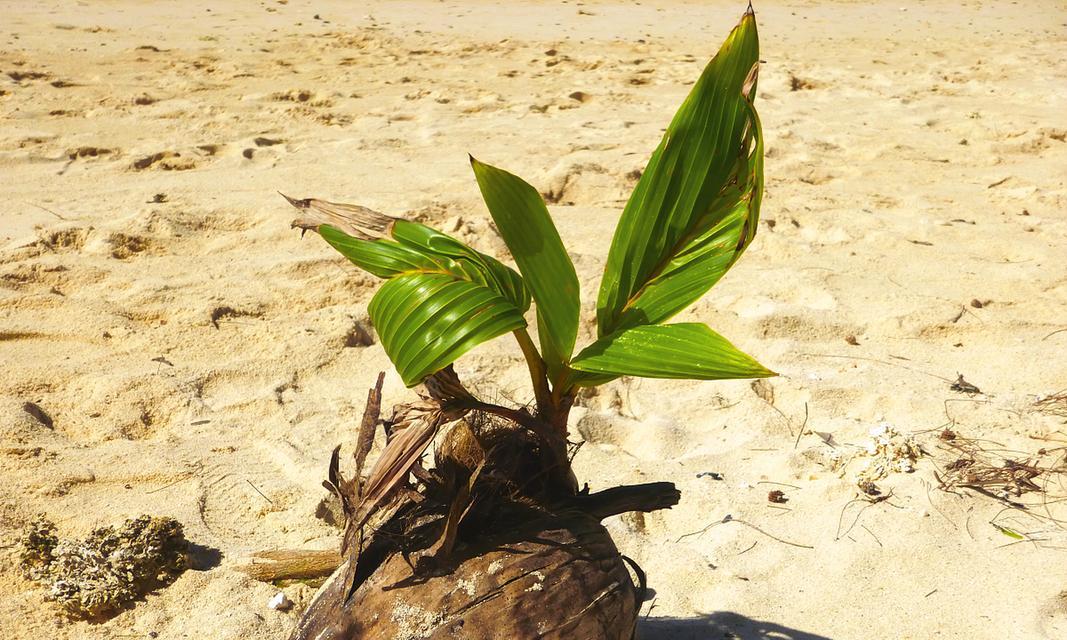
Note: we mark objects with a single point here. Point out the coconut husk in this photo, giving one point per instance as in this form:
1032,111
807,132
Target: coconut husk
557,577
487,543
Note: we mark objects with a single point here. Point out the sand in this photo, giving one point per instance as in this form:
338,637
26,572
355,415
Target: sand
199,360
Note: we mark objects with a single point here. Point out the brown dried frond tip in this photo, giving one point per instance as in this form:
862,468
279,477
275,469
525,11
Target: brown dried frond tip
353,219
100,575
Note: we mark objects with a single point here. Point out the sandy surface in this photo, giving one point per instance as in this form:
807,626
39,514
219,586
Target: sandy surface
918,165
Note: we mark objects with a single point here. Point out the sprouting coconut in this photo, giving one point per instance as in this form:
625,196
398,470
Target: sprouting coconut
496,540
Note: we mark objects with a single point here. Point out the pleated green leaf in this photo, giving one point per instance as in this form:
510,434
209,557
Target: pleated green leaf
696,207
383,258
685,350
456,255
524,223
417,248
441,298
428,320
710,253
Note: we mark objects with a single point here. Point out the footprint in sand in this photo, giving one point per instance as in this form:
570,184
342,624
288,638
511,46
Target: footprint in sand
65,239
1054,616
124,246
808,326
89,152
651,438
19,76
261,143
82,153
573,182
164,160
300,95
798,83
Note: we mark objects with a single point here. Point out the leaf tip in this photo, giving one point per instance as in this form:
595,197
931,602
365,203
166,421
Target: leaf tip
762,371
296,202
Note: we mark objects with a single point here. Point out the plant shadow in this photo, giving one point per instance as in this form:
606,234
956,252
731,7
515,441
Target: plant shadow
721,625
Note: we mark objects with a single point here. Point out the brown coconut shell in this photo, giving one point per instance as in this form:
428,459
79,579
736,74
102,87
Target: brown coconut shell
553,577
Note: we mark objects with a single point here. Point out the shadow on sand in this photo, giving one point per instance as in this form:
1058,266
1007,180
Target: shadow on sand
720,625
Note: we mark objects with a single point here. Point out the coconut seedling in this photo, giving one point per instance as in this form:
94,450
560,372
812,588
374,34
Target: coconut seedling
495,539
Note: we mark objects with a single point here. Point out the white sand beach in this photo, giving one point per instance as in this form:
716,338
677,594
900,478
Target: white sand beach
197,359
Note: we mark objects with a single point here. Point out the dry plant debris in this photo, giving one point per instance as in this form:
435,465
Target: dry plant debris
1054,404
888,451
962,386
988,471
777,496
1032,487
102,574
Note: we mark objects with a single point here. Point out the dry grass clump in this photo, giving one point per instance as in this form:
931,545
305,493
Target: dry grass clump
1031,486
1054,404
996,472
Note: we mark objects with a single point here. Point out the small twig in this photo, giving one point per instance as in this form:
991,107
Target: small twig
771,536
948,400
730,518
33,204
188,474
168,486
841,517
258,491
802,427
891,364
788,422
290,564
930,594
936,508
872,535
780,484
750,548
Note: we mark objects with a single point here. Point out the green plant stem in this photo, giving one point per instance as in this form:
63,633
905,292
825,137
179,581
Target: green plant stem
538,373
562,401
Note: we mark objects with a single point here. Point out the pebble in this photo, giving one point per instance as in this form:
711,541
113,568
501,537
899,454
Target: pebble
280,602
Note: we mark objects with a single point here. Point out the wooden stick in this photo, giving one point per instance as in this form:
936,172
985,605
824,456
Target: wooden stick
638,497
290,564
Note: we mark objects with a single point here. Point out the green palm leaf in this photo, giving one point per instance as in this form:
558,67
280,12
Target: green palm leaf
524,223
441,298
420,249
428,320
695,208
686,350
